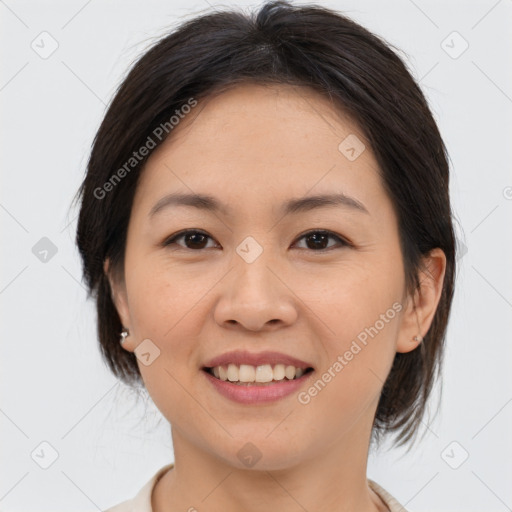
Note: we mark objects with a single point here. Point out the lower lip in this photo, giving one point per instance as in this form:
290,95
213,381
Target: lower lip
252,394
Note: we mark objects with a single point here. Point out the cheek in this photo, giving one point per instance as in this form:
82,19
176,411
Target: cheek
362,311
350,298
161,300
166,308
358,359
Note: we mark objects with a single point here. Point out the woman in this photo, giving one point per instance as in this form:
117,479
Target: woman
266,227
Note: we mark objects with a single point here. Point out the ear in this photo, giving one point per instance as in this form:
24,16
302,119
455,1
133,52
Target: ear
119,297
421,308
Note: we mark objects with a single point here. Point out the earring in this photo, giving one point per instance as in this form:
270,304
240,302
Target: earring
416,338
124,334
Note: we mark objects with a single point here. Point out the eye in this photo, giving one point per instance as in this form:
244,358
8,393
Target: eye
318,238
196,239
315,240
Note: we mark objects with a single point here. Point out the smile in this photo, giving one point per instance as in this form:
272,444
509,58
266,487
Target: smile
246,374
253,392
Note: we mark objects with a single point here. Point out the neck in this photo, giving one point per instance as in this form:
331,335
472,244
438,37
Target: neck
333,480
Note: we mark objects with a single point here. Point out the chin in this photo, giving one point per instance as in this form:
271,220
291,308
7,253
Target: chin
261,453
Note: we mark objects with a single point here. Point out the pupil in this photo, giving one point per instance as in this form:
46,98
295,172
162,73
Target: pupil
323,238
191,236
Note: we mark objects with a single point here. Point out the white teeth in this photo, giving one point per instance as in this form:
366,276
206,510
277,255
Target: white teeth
222,373
246,373
289,371
233,373
262,373
279,372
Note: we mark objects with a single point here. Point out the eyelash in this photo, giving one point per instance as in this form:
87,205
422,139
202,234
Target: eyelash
343,242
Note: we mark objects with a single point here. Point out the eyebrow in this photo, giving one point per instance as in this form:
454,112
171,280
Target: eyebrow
293,206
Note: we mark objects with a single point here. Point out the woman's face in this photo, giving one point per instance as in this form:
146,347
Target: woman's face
255,283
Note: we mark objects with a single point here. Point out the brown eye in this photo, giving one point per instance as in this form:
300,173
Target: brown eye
318,240
193,239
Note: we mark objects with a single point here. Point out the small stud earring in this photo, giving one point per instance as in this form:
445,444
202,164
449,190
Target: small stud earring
416,338
124,334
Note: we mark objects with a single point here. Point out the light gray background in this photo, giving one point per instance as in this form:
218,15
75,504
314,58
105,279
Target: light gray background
56,389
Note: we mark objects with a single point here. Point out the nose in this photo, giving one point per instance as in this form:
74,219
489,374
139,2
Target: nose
255,296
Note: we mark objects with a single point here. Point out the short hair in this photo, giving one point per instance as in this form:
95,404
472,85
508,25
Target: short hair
304,45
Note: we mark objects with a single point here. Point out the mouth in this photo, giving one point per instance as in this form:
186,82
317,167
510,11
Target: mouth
261,375
256,378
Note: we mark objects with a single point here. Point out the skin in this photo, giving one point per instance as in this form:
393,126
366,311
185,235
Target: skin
254,147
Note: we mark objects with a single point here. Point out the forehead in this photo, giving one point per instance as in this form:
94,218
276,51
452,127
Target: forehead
254,143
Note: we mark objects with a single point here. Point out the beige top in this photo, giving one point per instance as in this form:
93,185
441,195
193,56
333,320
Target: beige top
142,501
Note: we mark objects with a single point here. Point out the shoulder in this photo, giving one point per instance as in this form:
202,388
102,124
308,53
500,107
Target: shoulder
385,496
141,502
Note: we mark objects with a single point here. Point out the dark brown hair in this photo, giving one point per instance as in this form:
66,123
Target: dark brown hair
281,44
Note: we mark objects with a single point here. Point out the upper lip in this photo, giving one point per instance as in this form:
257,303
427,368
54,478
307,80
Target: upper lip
238,357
